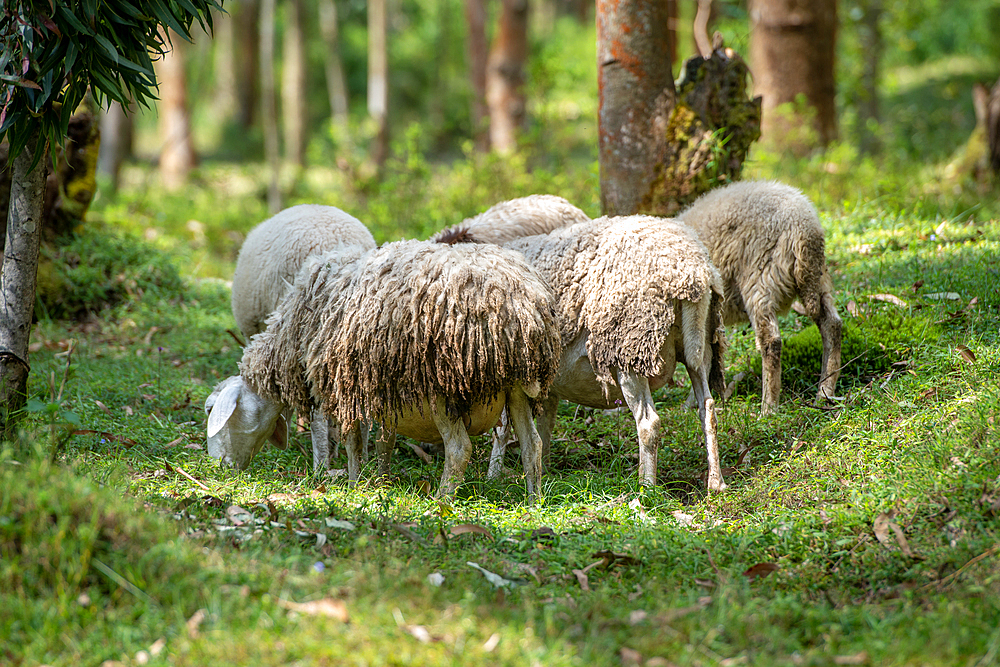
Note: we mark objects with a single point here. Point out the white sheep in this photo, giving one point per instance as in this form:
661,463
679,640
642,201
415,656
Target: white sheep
508,220
268,262
432,340
767,242
636,295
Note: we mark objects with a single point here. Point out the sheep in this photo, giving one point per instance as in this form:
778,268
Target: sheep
766,240
636,295
508,220
430,339
269,259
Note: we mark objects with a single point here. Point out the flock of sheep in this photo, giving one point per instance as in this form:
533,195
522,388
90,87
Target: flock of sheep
503,315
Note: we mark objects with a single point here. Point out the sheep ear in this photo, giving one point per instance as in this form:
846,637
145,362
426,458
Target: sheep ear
279,437
225,406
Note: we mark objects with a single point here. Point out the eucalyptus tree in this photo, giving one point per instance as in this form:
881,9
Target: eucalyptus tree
51,53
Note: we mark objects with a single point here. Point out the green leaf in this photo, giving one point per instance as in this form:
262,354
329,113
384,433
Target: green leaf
35,405
107,47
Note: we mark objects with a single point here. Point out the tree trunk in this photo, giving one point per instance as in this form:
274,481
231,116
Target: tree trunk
792,52
246,63
871,46
293,84
336,85
177,156
635,98
17,282
475,17
505,76
378,78
269,113
116,142
708,133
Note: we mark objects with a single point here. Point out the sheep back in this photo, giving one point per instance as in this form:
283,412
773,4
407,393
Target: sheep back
508,220
766,238
394,328
275,249
619,278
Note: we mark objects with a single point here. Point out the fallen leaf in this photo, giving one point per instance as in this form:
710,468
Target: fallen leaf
966,353
419,451
435,579
421,633
610,558
684,519
156,648
195,622
326,607
174,443
760,570
238,516
409,534
856,659
103,407
637,616
582,579
491,577
927,393
492,642
659,661
944,296
881,528
466,528
423,487
852,308
917,285
889,298
630,657
336,523
705,583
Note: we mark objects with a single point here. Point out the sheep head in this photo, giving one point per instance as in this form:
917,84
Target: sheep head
240,421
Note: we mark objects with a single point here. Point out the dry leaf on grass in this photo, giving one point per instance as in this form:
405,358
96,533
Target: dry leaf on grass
630,657
968,355
582,579
330,607
883,525
467,528
194,623
238,516
856,659
889,298
760,570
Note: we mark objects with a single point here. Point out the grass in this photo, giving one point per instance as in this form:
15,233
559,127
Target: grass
876,522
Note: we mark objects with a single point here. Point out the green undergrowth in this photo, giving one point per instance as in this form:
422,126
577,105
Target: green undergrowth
875,519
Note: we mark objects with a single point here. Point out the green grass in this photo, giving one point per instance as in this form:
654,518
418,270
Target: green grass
126,536
125,533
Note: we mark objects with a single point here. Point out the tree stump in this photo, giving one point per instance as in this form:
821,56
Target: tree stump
708,134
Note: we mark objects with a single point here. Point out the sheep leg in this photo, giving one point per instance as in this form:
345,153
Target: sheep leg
830,330
384,444
531,442
709,424
457,448
546,421
319,430
639,399
500,436
769,344
351,437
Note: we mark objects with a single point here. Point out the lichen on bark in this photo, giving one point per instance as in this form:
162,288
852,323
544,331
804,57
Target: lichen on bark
708,133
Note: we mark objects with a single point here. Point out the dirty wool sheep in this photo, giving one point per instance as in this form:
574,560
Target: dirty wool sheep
767,243
269,259
429,339
512,219
636,295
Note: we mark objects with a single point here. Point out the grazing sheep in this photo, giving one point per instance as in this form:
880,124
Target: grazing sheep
269,259
509,220
767,243
636,295
432,340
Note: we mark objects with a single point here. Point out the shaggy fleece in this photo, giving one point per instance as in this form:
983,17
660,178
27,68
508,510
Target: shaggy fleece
621,279
509,220
365,335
